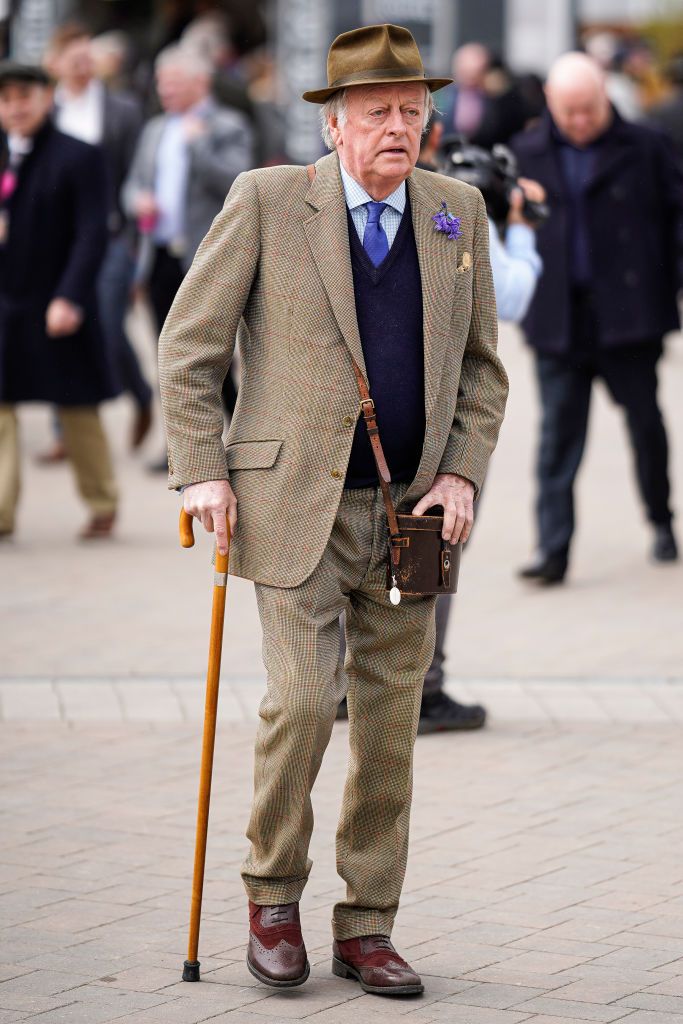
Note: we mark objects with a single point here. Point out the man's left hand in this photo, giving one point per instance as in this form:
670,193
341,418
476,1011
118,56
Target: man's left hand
456,496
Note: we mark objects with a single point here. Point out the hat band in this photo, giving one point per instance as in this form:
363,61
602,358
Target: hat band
362,76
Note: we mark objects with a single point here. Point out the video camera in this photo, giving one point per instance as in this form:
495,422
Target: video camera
493,173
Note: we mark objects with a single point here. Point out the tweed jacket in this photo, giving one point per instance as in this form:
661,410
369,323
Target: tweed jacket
274,272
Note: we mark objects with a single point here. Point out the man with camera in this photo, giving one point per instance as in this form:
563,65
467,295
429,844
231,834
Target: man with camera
514,208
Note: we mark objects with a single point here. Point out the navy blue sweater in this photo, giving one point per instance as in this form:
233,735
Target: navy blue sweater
389,314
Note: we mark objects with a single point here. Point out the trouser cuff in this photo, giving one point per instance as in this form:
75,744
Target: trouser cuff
353,923
270,892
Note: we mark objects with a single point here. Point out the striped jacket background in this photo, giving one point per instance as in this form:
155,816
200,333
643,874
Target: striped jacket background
274,271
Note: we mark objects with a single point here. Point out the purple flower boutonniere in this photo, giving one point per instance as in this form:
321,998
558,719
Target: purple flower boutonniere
446,222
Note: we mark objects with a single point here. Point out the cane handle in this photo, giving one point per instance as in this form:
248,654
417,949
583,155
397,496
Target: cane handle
185,528
186,531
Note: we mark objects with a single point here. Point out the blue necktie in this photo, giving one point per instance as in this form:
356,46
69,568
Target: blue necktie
375,241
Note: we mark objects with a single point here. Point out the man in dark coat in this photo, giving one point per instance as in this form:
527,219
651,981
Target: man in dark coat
53,233
606,298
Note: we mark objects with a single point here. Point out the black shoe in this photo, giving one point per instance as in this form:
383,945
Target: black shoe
342,710
545,569
439,713
664,548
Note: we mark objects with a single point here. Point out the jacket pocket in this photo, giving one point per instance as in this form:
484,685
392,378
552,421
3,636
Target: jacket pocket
252,454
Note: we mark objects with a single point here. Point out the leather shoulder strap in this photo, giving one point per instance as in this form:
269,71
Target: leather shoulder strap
367,408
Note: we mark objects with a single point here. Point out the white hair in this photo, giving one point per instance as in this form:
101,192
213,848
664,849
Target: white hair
337,107
186,58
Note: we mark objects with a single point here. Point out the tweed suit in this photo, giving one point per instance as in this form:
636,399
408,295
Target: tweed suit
275,270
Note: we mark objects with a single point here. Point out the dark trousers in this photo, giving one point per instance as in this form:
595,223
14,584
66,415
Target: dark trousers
165,279
630,375
113,290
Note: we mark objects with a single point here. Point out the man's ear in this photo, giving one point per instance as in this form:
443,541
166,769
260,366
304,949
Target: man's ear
335,130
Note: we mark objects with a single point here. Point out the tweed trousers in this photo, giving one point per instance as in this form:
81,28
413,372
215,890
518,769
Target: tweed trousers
388,651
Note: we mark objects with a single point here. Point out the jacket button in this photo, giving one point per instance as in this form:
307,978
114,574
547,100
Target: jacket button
336,474
348,421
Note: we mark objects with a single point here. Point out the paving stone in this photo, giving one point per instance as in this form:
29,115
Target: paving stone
670,987
40,983
453,961
639,959
500,997
654,1001
95,1005
542,963
654,1017
574,1010
453,1014
141,979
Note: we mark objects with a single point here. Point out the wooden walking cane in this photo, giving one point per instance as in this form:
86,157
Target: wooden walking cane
220,582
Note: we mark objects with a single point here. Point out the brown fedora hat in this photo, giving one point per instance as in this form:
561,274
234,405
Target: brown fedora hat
373,55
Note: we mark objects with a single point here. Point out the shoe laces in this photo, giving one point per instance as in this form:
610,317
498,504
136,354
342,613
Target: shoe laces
383,942
279,914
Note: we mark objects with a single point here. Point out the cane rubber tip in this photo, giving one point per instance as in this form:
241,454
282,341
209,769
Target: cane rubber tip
191,970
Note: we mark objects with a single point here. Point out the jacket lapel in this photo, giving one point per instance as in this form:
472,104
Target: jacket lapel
327,233
438,259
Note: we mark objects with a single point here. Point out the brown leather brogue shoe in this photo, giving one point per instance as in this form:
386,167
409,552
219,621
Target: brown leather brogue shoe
277,954
373,961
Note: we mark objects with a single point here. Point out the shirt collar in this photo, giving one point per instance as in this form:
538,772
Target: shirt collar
357,196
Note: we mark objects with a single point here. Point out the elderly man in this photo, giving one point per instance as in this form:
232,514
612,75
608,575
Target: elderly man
314,276
606,298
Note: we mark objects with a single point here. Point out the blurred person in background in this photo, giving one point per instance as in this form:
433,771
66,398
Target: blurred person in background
622,90
110,52
87,109
185,162
606,298
483,104
640,62
53,236
262,76
668,114
209,36
247,83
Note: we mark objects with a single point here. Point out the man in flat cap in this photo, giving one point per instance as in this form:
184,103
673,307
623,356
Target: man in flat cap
361,259
53,233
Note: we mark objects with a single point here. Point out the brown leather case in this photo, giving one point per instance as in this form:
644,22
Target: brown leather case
427,563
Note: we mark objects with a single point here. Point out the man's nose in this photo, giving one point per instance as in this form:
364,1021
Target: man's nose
395,123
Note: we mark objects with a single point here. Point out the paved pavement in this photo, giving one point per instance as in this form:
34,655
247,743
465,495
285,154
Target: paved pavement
545,880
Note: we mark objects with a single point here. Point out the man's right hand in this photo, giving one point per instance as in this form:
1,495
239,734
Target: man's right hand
208,502
145,204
